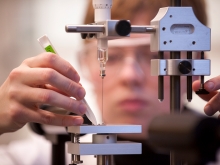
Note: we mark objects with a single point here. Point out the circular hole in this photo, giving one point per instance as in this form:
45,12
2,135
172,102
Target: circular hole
194,42
171,16
163,28
107,137
171,41
165,69
165,42
194,69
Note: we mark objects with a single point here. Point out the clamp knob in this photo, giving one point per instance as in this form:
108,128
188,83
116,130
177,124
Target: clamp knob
185,67
123,28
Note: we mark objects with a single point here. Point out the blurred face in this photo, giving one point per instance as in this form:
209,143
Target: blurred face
130,92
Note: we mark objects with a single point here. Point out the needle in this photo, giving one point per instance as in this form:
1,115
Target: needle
102,102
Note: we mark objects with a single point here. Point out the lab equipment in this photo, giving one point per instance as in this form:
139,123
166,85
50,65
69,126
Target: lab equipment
104,142
174,29
179,30
103,29
48,47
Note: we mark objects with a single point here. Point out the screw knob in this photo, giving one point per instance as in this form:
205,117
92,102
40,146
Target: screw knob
185,67
123,28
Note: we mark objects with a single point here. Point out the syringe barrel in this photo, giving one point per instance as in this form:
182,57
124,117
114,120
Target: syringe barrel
102,10
102,49
102,55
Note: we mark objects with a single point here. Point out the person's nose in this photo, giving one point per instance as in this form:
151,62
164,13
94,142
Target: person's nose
131,72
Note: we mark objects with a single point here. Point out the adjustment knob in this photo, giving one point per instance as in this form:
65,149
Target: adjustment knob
185,67
123,28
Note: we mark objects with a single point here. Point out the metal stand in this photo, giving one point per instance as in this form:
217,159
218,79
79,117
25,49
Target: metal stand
174,91
105,160
175,88
176,3
58,150
174,101
104,142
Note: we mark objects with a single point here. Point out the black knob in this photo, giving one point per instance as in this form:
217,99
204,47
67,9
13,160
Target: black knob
202,92
123,27
84,35
185,67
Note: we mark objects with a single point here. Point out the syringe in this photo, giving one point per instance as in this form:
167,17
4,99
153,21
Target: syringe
48,47
102,55
102,13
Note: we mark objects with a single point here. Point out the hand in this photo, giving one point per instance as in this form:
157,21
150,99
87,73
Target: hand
43,79
213,97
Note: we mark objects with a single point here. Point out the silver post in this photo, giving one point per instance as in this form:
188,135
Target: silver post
174,101
105,160
161,82
75,158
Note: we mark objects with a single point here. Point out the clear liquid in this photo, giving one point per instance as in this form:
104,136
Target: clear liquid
102,55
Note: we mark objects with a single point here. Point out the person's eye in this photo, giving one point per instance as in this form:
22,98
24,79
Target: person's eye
147,56
113,59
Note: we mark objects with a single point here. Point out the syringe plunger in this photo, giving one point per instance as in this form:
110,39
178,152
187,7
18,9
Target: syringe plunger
102,10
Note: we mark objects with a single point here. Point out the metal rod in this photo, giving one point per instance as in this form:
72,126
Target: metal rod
105,160
176,3
84,28
103,123
189,81
161,81
202,77
189,88
174,94
58,150
175,88
143,29
75,158
174,101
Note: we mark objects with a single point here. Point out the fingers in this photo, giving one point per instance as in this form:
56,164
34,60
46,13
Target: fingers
213,84
213,105
43,79
207,97
213,97
40,76
33,96
50,60
22,115
45,117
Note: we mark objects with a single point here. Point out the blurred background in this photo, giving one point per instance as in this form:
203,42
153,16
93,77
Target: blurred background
23,21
